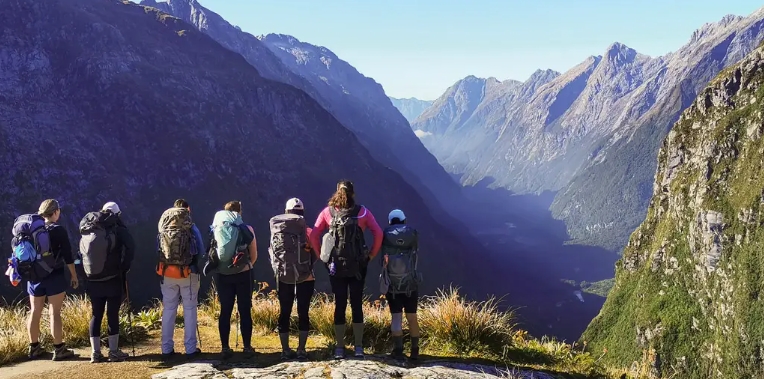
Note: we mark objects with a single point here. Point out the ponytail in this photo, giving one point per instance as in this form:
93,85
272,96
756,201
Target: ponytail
343,198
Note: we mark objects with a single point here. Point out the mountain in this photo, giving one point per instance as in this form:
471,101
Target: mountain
105,100
591,134
411,107
356,101
687,296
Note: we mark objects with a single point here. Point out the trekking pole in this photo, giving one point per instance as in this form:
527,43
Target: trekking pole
238,319
131,335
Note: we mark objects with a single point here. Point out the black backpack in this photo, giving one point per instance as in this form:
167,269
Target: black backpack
97,246
350,245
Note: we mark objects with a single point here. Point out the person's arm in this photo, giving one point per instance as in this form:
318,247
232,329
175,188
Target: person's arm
309,246
322,223
252,247
65,252
369,222
128,252
198,241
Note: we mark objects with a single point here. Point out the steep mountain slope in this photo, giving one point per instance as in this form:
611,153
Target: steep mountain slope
591,133
358,102
411,107
102,100
608,197
687,297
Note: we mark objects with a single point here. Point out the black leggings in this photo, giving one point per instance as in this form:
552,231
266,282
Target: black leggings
235,288
287,292
341,287
111,305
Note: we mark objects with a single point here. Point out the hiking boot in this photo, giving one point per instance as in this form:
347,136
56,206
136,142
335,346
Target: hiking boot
195,354
358,352
288,355
97,357
339,353
249,351
302,355
35,351
117,355
167,356
226,353
61,353
397,355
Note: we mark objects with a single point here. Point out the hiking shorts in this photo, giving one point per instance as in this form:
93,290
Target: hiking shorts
52,285
400,302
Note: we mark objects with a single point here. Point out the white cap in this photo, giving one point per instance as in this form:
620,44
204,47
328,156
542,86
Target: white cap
112,207
294,204
395,213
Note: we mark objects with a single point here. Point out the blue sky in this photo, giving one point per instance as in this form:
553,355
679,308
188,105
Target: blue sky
418,48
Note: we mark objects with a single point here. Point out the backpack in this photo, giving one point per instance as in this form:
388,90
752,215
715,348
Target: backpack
349,245
96,245
175,238
291,263
32,256
230,243
400,245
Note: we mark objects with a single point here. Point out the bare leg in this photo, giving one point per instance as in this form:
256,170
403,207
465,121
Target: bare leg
56,326
33,322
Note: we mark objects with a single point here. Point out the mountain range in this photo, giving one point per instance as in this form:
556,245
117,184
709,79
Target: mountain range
411,107
687,296
531,276
591,134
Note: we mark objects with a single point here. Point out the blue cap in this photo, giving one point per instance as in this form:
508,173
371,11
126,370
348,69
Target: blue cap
395,213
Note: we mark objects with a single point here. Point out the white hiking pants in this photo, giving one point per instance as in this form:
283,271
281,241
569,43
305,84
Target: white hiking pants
173,290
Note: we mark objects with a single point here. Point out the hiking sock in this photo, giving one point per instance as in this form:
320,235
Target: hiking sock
339,335
303,340
358,334
398,343
284,337
95,343
114,342
414,347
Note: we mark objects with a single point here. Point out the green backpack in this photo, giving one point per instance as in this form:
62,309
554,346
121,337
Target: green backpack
230,242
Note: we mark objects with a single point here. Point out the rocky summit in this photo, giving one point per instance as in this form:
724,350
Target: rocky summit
687,300
347,369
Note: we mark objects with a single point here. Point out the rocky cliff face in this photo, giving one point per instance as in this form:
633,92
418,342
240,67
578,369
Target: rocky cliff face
411,107
111,101
686,302
591,133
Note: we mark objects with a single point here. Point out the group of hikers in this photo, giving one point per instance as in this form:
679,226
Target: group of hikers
42,252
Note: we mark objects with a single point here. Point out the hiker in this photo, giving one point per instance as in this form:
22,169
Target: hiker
233,251
292,261
180,244
399,280
107,251
344,251
34,235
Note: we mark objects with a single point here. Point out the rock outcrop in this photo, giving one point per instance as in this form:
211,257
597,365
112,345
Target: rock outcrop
687,298
348,369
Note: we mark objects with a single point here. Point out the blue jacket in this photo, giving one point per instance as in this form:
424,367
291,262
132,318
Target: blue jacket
198,252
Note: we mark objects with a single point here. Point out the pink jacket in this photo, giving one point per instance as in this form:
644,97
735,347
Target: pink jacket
366,220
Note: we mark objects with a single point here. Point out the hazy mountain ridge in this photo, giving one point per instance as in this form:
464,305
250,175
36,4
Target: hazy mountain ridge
411,107
563,137
686,301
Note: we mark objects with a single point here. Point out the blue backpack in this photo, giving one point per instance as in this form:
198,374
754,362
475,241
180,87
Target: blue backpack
32,256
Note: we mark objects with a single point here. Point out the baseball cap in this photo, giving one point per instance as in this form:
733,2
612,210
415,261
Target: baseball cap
396,213
294,204
112,207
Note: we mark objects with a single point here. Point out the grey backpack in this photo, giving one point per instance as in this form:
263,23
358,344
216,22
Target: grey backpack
291,263
400,244
97,242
